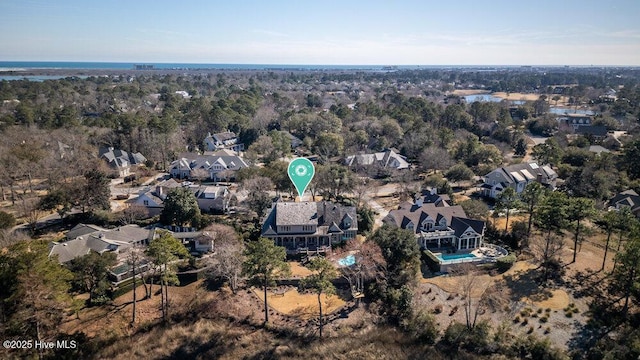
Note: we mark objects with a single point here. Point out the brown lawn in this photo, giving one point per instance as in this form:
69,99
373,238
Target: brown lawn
556,300
304,306
92,320
298,271
452,284
500,222
469,92
517,96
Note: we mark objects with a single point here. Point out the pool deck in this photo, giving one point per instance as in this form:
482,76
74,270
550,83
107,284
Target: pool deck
482,255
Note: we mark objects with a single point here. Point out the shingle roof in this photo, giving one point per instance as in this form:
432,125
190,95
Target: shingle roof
328,217
529,171
296,213
592,130
119,158
192,161
416,214
98,240
459,225
383,158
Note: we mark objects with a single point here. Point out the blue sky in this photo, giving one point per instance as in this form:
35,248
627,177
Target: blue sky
442,32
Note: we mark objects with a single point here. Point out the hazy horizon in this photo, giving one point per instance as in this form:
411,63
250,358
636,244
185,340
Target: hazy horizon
410,32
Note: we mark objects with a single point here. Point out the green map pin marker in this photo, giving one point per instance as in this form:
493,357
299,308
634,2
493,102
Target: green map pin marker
301,172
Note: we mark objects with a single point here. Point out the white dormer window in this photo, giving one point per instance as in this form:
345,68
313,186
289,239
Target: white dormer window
427,225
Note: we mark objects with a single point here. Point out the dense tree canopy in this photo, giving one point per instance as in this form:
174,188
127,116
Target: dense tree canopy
180,208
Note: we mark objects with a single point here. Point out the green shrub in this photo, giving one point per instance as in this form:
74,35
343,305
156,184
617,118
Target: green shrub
475,339
422,327
7,220
505,263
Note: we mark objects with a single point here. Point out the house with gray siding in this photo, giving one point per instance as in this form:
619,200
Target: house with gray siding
305,227
517,176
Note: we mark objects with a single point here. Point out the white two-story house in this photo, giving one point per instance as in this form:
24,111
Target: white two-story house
517,176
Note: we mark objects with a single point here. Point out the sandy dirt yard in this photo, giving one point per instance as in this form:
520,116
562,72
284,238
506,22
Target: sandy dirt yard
290,302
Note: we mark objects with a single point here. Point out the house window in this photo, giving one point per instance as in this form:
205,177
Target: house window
146,203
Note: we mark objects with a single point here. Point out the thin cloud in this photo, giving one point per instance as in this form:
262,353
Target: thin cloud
270,33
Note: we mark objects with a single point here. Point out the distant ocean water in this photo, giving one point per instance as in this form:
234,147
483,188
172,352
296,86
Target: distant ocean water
32,65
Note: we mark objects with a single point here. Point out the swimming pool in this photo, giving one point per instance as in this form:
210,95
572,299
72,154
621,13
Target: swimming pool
347,260
444,258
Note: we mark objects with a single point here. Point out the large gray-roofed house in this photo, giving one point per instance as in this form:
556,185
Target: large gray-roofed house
386,159
438,227
100,241
216,165
309,226
223,140
629,199
83,229
121,160
517,176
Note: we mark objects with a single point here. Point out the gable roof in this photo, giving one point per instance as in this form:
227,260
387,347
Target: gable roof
191,161
415,214
224,136
525,172
326,216
384,158
120,158
98,240
627,198
592,130
459,225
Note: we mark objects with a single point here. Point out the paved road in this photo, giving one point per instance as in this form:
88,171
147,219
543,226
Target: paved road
381,212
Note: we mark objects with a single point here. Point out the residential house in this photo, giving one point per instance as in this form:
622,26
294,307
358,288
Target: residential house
596,134
438,227
303,227
517,176
120,160
153,203
224,140
386,159
629,199
213,199
576,120
153,199
218,166
83,239
431,196
295,141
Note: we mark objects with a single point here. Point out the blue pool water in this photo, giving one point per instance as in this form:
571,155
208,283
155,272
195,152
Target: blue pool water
450,257
347,260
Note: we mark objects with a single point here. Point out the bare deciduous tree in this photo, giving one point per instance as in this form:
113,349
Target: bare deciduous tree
474,288
546,251
228,258
369,263
133,213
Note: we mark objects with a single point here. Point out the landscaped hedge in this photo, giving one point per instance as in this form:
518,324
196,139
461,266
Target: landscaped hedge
506,262
432,262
